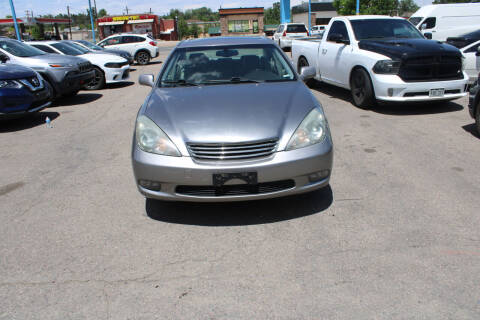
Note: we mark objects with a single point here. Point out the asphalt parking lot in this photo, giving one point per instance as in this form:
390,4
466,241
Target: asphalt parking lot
396,236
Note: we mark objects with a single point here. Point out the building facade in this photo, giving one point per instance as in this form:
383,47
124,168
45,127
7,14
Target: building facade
321,13
241,21
137,23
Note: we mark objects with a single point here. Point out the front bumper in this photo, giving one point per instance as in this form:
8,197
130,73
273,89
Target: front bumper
113,75
75,81
184,172
15,103
393,89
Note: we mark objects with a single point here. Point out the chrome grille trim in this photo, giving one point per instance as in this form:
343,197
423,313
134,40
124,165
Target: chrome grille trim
232,151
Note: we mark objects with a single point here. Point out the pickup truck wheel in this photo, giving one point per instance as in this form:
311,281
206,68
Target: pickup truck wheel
477,118
98,80
362,89
302,62
142,58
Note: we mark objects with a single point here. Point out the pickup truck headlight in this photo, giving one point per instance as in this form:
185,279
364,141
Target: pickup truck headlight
387,67
150,138
312,130
10,84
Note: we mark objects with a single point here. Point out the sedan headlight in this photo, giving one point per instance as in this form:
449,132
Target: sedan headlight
387,67
150,138
10,84
113,65
312,130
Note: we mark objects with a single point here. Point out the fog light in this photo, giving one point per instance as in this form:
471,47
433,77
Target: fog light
150,185
317,176
390,92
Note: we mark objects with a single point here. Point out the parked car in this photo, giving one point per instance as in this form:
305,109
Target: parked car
288,31
474,103
464,40
229,119
441,21
142,47
108,68
383,58
472,60
22,91
66,74
317,30
90,46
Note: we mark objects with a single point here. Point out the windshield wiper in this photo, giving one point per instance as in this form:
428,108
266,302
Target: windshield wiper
180,83
233,80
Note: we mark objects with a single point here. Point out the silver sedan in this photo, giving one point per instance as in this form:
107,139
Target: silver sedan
229,119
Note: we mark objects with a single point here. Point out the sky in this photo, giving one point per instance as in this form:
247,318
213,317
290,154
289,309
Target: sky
113,7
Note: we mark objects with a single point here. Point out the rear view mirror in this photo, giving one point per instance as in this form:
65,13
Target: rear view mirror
146,80
428,35
307,73
226,53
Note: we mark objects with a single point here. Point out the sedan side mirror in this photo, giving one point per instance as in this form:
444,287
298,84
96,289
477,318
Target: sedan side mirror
428,35
307,73
146,80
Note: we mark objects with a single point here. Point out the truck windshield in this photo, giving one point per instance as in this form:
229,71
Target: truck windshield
20,49
384,29
226,64
415,20
66,49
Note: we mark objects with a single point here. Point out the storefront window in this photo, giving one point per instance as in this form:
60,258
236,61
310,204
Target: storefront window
255,26
238,26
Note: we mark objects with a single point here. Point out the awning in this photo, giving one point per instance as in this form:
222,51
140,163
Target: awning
140,21
111,23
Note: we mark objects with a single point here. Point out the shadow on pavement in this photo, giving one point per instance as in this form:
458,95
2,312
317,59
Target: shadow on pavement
80,98
154,62
332,91
27,122
471,128
119,85
240,213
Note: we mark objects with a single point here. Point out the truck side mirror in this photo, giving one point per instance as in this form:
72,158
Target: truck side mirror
338,38
146,80
428,35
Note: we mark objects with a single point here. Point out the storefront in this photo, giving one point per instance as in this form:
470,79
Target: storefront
241,21
140,23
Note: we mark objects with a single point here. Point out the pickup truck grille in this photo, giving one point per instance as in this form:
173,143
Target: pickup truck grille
431,68
232,151
84,67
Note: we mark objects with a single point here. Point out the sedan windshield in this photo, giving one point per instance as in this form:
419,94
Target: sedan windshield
226,64
20,49
78,47
90,45
384,28
66,49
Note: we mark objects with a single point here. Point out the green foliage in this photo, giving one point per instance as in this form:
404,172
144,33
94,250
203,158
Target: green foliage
202,14
382,7
182,29
37,32
102,13
194,30
452,1
405,6
272,15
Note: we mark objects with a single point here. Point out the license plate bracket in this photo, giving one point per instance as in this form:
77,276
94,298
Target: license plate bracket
434,93
250,178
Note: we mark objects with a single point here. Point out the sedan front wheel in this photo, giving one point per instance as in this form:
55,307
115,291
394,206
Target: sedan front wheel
98,80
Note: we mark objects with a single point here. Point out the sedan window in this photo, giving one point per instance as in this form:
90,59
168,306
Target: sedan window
20,49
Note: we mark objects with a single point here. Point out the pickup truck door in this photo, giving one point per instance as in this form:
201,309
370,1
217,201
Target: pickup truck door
333,57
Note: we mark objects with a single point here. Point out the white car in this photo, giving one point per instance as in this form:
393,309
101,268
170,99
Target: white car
142,47
472,60
317,30
287,31
109,68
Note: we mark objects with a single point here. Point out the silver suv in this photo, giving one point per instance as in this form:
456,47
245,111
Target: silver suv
66,74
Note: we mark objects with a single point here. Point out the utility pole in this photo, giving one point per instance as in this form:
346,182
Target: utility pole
358,7
15,24
96,12
69,22
126,9
91,20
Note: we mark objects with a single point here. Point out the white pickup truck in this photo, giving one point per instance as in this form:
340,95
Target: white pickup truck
382,58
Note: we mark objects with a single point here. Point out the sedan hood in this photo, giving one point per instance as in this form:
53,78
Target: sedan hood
57,58
230,113
13,71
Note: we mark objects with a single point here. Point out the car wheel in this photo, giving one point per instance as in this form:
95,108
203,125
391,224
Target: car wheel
142,58
98,80
477,118
302,62
362,89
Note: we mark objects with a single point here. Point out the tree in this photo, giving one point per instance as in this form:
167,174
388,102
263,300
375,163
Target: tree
452,1
272,15
405,6
102,13
182,28
348,7
37,32
194,30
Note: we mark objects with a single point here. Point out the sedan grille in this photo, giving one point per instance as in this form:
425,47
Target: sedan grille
232,151
235,190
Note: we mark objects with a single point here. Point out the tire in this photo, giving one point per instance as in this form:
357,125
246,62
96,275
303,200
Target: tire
142,57
362,89
302,62
98,81
477,118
